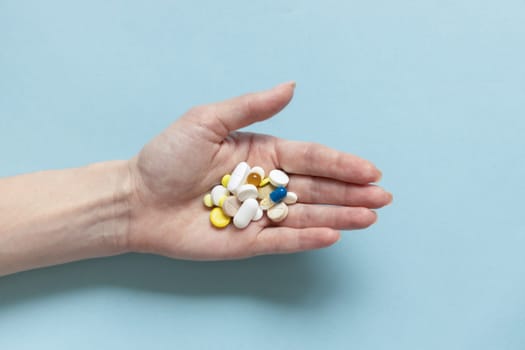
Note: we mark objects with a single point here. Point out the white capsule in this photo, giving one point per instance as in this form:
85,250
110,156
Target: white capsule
258,215
238,176
246,191
278,178
258,170
217,193
246,213
291,198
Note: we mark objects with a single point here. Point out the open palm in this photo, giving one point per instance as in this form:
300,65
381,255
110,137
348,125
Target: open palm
173,172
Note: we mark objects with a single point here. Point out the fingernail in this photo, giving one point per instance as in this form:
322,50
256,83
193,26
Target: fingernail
289,83
376,216
380,175
391,197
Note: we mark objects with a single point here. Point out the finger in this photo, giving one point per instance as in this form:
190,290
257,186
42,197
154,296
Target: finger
230,115
317,160
320,190
335,217
278,240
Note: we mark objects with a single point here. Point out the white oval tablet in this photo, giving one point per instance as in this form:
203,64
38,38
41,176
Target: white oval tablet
246,213
247,191
217,193
278,178
258,170
258,215
291,198
238,176
278,212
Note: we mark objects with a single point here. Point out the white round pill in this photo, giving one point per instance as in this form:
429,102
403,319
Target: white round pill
278,178
217,193
266,203
246,213
258,170
247,191
278,212
230,206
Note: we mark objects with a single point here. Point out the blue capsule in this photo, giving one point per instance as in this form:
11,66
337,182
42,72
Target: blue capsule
278,194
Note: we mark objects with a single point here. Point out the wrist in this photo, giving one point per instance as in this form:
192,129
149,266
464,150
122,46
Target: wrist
133,191
115,214
108,227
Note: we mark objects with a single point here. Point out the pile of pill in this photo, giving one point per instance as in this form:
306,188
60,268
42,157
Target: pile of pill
246,193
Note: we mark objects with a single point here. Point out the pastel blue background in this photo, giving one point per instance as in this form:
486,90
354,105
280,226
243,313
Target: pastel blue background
432,91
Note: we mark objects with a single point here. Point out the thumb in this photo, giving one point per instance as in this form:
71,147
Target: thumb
230,115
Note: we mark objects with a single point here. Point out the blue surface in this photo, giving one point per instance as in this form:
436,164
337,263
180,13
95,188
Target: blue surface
432,91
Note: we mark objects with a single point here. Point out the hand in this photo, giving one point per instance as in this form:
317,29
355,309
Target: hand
173,172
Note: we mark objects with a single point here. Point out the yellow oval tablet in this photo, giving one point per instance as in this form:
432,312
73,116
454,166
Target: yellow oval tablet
207,200
218,218
225,180
264,182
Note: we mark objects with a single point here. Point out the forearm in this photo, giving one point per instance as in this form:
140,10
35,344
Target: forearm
54,217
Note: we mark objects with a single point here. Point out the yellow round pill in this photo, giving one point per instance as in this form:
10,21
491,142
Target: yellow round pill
207,200
218,218
225,179
264,182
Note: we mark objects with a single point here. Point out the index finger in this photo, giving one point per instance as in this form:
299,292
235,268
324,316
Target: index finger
314,159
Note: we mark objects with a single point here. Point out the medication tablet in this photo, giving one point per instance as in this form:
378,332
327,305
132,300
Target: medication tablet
218,219
278,212
291,198
231,206
266,203
246,213
278,194
265,191
207,200
225,180
253,179
247,191
217,193
278,178
258,170
264,182
238,176
258,215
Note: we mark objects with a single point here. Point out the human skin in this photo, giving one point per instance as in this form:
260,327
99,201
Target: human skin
153,202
